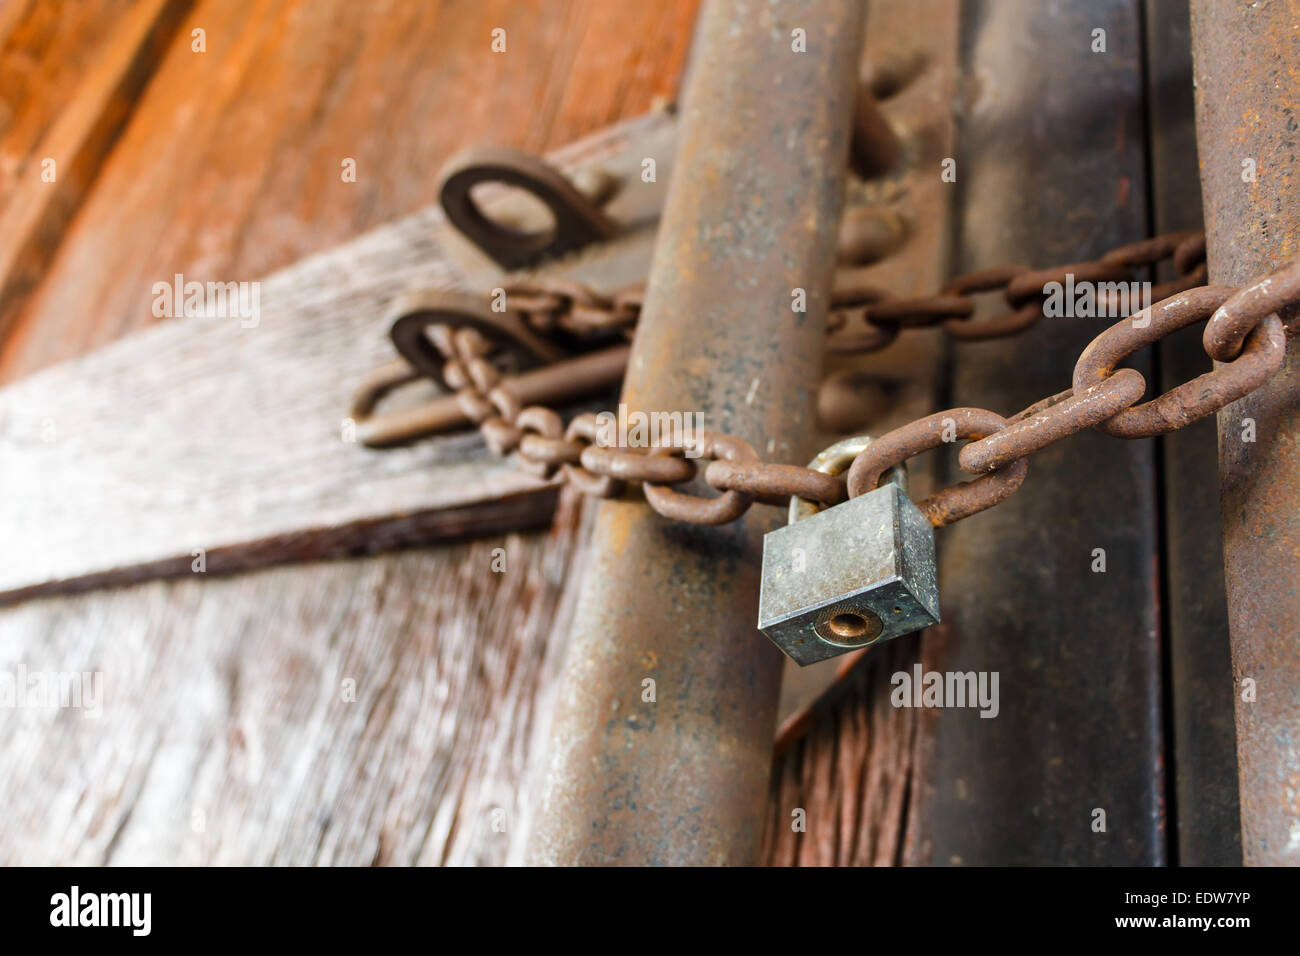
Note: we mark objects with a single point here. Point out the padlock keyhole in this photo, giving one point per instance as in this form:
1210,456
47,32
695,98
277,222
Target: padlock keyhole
849,626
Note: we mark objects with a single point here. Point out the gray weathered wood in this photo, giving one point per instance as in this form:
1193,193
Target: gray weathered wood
223,735
205,434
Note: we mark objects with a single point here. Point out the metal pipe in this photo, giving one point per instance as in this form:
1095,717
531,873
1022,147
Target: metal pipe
661,745
552,384
1246,56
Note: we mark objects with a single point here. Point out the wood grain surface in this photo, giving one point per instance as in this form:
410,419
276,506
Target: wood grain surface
246,736
230,434
840,795
54,154
45,50
219,726
223,736
230,165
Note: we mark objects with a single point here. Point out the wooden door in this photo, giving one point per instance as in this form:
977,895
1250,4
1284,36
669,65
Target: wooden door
288,703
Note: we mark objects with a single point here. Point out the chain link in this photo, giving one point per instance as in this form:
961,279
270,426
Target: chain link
1245,330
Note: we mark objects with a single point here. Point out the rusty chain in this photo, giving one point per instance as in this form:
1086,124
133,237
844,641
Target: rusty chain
549,305
1244,332
865,318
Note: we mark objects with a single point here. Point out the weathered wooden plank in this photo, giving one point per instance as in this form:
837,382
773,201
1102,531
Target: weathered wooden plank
227,435
840,794
220,727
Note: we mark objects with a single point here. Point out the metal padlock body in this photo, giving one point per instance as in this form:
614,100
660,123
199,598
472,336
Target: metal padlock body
849,576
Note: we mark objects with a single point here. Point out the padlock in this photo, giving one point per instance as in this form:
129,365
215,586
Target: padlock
851,575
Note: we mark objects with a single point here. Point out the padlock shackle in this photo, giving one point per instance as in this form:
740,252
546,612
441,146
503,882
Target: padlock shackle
835,460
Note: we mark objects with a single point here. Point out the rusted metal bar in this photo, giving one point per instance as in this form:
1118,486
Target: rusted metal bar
1246,56
661,744
559,382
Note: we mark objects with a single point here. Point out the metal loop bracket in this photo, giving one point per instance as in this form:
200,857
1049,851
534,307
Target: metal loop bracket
417,312
577,221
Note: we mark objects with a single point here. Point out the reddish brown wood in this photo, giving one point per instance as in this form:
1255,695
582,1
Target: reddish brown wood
45,48
840,794
230,166
55,149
